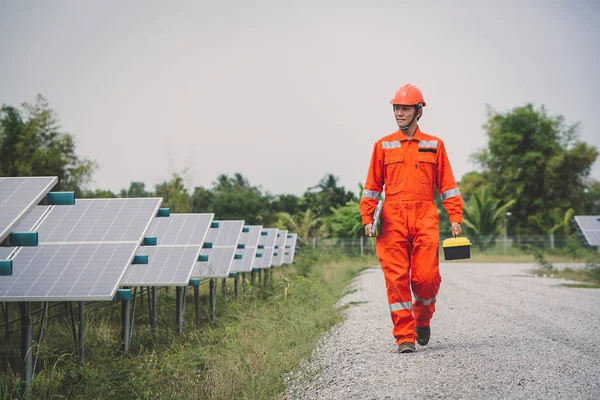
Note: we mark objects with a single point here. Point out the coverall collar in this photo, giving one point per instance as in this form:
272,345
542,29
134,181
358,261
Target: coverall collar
418,136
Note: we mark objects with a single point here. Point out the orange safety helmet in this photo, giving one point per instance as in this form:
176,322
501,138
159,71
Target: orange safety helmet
409,95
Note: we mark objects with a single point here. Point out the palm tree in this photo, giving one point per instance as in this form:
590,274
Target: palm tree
304,224
483,216
552,222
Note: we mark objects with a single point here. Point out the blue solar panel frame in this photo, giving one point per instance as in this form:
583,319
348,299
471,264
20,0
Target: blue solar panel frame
224,241
267,241
250,241
18,196
75,261
279,248
290,248
171,262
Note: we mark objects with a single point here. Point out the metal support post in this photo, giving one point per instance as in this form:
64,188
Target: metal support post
125,325
26,346
224,286
81,334
212,298
6,319
43,318
236,285
362,246
153,307
197,304
179,308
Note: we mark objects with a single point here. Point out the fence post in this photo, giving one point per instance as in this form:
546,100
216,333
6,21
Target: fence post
362,246
314,242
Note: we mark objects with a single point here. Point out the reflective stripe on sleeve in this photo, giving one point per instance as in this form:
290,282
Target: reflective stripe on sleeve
407,305
450,193
371,194
425,302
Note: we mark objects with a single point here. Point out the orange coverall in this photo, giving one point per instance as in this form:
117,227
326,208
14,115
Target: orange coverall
408,242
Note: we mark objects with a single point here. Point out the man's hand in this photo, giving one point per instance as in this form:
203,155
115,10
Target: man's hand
369,230
456,229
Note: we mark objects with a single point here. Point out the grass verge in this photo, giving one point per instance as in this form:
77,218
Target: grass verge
588,276
256,340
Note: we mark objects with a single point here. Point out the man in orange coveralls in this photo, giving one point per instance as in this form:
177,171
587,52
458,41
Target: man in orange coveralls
410,165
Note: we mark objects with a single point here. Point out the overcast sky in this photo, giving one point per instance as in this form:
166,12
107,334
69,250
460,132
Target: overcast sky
288,91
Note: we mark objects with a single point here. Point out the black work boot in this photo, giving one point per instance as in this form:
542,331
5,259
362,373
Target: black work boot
406,347
423,335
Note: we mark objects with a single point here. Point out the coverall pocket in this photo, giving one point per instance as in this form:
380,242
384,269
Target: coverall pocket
394,172
426,168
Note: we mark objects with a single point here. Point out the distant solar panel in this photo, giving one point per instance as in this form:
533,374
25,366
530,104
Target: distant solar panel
83,251
224,241
267,242
290,248
250,241
590,227
279,248
171,262
18,196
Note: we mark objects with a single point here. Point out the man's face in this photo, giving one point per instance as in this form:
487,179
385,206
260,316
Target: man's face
404,114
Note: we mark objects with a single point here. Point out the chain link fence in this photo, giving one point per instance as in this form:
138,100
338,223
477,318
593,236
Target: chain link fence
499,245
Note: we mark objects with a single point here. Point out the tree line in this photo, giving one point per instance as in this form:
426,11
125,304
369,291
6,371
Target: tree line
534,167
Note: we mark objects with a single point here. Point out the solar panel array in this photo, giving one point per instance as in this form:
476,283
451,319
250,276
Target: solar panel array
18,196
83,250
590,227
224,241
290,248
171,262
279,248
267,241
250,241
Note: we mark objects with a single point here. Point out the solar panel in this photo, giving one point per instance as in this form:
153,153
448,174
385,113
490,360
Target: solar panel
171,262
83,252
279,248
250,241
18,196
290,248
590,227
267,241
224,241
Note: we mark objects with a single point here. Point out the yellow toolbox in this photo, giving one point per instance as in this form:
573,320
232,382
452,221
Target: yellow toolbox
456,248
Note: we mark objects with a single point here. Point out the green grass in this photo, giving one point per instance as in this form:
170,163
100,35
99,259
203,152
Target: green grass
256,340
589,276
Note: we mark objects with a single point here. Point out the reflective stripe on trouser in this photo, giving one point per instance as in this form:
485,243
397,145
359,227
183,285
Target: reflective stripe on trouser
408,249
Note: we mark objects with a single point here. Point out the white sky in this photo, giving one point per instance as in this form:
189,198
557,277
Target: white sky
287,91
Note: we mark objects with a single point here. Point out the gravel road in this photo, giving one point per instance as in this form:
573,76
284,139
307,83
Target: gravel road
498,333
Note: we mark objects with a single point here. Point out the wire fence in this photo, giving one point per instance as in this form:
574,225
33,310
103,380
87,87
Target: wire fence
365,246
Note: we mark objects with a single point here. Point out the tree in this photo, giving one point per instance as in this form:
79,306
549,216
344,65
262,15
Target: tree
537,160
232,197
554,221
175,195
31,144
305,224
98,194
345,221
136,189
591,198
326,196
470,183
483,216
287,203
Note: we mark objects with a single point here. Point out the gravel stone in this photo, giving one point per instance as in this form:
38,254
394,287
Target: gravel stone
498,333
